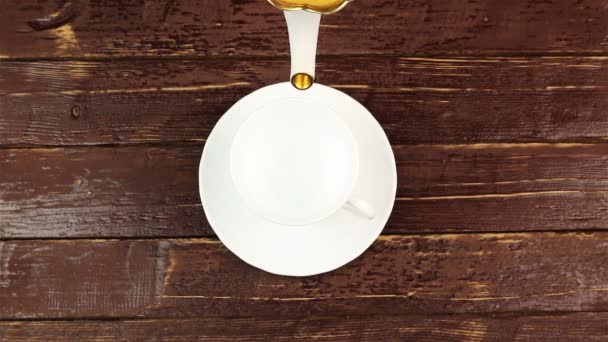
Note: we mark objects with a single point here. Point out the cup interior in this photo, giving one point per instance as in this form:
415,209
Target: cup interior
294,161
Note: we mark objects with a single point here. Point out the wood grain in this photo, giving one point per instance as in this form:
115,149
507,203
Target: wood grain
417,100
561,327
211,28
140,191
494,187
457,273
113,192
496,111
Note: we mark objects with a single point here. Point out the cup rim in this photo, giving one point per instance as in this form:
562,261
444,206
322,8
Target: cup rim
336,204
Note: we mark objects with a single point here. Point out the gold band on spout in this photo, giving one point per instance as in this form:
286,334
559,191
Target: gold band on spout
302,81
316,6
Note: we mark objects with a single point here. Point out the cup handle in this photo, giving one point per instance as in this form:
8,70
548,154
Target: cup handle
361,207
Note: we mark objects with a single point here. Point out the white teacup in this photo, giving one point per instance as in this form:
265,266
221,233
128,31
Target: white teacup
295,162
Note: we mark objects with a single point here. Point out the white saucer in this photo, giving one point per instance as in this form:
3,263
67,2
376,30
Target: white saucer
298,250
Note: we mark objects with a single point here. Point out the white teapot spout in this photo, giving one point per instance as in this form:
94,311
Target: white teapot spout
303,27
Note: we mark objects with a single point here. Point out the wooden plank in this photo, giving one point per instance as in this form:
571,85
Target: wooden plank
153,191
101,192
417,100
459,273
494,187
208,28
562,327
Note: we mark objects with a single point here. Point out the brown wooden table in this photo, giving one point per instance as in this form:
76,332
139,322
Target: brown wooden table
497,111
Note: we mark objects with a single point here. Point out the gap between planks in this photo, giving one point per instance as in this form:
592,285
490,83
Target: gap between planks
187,57
212,239
197,141
126,319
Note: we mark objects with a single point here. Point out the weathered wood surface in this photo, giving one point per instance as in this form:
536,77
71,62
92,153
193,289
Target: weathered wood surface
496,110
560,327
208,28
417,100
459,273
101,192
140,191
